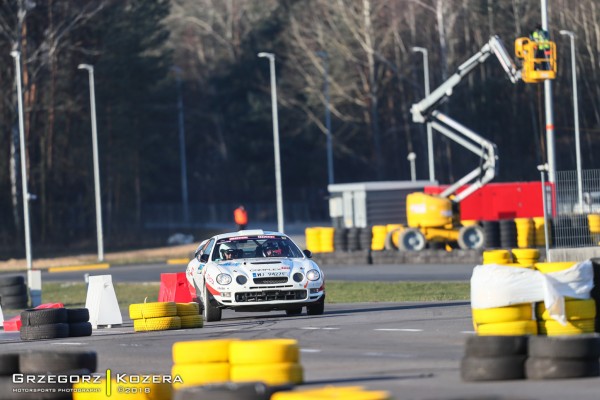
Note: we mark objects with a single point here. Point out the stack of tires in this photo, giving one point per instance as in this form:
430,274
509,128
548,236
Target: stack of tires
594,225
158,316
313,239
340,239
508,233
501,257
333,393
525,232
505,321
540,232
326,238
13,292
50,323
229,391
201,362
354,239
78,320
526,257
491,234
273,361
366,238
563,357
189,315
494,358
34,364
379,235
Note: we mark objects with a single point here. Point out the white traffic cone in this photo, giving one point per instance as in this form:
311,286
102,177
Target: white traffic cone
102,302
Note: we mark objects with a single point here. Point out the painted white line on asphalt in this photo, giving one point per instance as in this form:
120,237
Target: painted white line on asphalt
469,332
310,327
310,350
376,354
69,344
330,329
398,330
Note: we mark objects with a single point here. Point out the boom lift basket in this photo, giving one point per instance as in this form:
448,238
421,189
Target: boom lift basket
535,69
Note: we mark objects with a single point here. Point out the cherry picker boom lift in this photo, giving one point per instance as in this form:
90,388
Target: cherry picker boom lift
436,218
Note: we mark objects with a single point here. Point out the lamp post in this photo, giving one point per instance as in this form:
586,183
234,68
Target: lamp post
576,117
271,58
413,171
423,51
543,168
324,56
548,107
25,191
184,187
90,70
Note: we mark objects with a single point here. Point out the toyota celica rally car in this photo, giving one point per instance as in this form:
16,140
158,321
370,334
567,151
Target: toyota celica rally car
254,270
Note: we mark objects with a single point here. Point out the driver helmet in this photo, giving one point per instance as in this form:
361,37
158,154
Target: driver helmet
273,249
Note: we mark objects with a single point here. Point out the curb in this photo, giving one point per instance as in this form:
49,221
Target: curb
178,261
80,267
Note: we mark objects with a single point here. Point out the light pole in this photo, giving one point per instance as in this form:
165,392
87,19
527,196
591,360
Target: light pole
271,58
543,168
90,70
413,171
25,191
423,51
184,188
324,56
548,107
576,117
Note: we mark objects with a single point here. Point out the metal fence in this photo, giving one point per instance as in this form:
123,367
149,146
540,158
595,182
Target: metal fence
576,221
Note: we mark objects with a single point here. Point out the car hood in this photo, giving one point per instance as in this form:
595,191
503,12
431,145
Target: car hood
265,268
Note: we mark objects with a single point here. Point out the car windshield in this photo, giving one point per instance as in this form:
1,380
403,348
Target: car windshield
260,246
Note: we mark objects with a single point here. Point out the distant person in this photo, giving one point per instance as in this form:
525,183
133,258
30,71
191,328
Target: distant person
542,41
240,215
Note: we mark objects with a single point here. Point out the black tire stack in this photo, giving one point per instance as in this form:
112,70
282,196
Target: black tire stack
78,320
494,358
354,239
13,292
366,238
491,234
340,239
55,323
508,234
563,357
43,363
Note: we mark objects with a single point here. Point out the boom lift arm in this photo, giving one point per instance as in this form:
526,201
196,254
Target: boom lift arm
425,110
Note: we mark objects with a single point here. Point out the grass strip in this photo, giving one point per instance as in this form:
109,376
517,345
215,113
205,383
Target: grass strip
74,294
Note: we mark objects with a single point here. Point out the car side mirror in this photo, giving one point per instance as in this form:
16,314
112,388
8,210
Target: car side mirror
204,258
308,253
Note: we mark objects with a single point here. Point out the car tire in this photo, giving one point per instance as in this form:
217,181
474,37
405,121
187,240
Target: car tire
561,368
55,362
13,290
46,316
566,347
496,346
293,312
412,239
78,329
471,237
75,315
12,280
318,308
211,313
47,331
492,368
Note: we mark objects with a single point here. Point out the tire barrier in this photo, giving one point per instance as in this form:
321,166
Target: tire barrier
42,363
491,234
594,226
548,267
13,292
157,316
563,357
78,320
526,257
525,232
313,239
511,328
320,239
340,239
273,361
201,362
366,238
189,315
501,257
326,236
494,358
508,233
39,324
229,391
379,236
354,239
540,232
333,393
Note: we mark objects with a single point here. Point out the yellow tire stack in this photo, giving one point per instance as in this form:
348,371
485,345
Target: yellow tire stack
326,239
540,235
526,257
501,257
525,232
130,390
580,314
333,393
189,314
594,224
313,239
201,362
272,361
157,316
505,321
379,234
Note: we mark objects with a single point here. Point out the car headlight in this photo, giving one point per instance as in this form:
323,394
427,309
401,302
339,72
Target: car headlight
298,277
223,279
241,279
312,275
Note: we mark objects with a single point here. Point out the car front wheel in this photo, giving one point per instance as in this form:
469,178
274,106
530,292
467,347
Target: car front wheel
317,308
293,312
211,313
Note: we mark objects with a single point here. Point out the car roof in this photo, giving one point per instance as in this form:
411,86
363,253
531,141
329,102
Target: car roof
248,232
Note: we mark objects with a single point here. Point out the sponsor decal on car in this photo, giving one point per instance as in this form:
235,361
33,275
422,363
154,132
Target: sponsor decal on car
209,280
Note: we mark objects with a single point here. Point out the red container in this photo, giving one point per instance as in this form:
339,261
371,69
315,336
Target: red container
175,287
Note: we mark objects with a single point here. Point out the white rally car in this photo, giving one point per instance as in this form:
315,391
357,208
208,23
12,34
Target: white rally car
254,270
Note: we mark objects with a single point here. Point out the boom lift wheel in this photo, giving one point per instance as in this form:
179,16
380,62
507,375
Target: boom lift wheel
412,239
470,237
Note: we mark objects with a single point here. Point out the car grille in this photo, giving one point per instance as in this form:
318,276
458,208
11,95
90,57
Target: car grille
269,281
270,295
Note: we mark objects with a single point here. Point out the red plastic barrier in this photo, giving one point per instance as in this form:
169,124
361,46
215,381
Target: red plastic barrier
175,287
14,324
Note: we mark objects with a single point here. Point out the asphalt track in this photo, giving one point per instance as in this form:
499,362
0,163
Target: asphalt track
399,272
412,350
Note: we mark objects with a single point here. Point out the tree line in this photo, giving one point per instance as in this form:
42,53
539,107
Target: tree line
364,47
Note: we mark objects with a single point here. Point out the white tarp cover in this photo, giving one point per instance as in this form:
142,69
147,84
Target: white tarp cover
494,285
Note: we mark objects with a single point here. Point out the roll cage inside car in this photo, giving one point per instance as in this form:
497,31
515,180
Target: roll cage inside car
254,247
